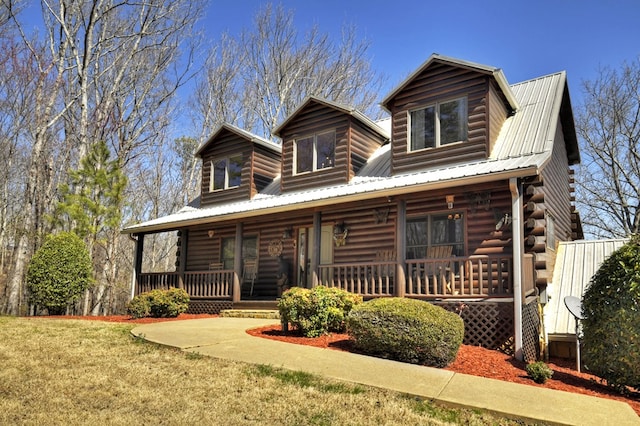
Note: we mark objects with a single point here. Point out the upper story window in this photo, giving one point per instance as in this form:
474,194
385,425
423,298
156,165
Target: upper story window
226,173
315,152
438,124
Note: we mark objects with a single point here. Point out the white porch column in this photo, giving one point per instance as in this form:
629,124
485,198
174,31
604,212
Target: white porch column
317,241
138,248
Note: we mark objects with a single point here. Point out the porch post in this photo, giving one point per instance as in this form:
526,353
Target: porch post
317,238
518,253
182,265
401,235
137,261
237,265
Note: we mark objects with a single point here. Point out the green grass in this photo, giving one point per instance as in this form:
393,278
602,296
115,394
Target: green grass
70,372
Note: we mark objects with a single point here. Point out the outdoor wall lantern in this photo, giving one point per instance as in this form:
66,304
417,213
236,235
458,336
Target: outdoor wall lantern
340,232
286,234
450,199
211,233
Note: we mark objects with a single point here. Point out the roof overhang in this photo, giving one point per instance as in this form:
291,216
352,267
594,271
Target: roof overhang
362,118
497,74
272,146
271,205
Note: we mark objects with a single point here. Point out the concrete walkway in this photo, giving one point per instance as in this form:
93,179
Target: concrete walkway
226,338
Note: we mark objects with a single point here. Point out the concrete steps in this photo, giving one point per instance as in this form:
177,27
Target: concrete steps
250,313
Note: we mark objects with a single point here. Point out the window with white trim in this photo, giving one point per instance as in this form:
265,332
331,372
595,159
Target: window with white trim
315,152
225,173
439,124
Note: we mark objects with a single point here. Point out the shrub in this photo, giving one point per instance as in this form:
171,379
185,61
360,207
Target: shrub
539,371
159,304
59,272
316,311
611,325
406,330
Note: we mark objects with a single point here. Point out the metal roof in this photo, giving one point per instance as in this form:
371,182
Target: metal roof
337,106
242,133
486,69
576,263
523,147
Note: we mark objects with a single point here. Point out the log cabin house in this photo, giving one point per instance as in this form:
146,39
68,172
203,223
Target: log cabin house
459,198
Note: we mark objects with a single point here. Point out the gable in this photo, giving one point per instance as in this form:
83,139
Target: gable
483,110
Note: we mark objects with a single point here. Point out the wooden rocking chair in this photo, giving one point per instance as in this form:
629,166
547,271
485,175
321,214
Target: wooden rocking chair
249,273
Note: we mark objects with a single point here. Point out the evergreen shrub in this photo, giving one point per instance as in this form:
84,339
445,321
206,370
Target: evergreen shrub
539,371
59,272
406,330
316,311
611,325
159,304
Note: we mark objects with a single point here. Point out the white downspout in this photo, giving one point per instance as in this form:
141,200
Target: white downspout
518,252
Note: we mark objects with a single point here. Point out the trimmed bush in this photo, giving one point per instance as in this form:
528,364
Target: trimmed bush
159,304
406,330
611,325
59,272
316,311
539,371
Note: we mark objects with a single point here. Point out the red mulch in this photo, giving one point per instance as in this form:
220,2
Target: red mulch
481,362
472,360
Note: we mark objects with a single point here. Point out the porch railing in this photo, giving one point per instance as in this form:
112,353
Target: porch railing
456,277
460,277
372,279
198,284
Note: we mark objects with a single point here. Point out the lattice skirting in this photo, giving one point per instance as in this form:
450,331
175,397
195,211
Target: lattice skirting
486,324
531,331
208,306
491,325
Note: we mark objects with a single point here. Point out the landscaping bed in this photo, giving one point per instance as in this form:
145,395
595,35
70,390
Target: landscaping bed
471,360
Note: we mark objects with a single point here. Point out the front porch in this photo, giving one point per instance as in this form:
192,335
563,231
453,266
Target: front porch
454,278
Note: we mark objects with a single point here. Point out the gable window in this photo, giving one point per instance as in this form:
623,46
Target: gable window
439,124
315,152
226,173
437,235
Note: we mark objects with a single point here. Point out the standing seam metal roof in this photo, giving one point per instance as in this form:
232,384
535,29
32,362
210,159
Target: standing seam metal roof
523,147
576,263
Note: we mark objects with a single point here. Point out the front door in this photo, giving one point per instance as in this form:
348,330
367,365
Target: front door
306,251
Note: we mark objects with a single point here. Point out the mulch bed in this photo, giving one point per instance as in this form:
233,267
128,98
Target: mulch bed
478,361
471,360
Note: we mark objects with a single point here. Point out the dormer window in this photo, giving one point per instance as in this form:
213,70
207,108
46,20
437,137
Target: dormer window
315,152
226,173
438,124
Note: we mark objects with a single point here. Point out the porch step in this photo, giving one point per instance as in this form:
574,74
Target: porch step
250,313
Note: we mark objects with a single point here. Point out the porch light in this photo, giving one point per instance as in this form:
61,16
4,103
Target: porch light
286,234
450,199
211,233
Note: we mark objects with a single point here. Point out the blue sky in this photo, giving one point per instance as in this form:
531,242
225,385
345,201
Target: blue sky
526,39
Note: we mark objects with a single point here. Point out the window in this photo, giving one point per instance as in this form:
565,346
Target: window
249,250
439,124
226,173
315,152
438,230
551,232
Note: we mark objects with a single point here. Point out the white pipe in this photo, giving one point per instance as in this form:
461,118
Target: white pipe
518,251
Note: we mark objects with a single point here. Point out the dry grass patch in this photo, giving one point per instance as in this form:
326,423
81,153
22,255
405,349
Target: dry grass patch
88,372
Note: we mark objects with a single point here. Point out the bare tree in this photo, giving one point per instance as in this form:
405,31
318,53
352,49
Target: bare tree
609,179
258,80
107,70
